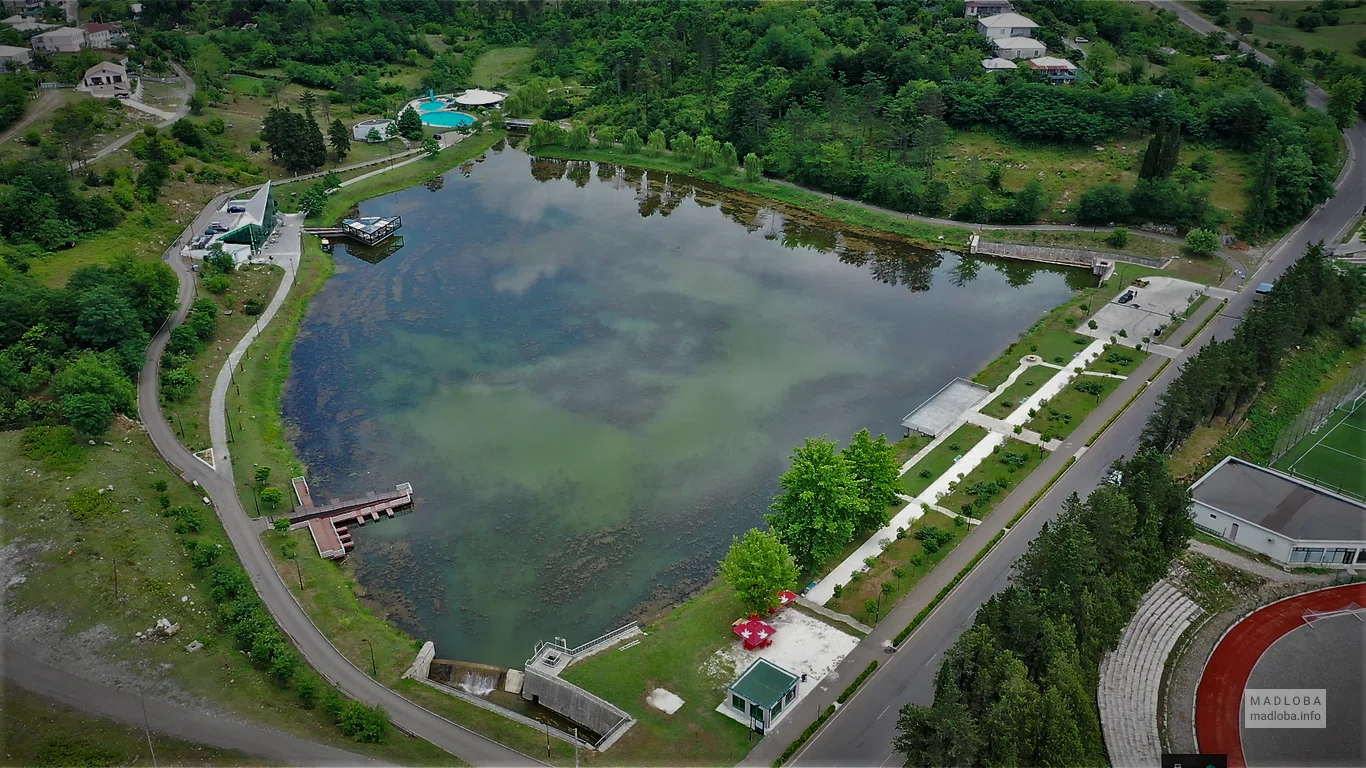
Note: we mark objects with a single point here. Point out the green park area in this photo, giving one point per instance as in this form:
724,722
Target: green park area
1331,26
941,459
1061,414
977,494
1118,360
1334,455
1026,384
898,568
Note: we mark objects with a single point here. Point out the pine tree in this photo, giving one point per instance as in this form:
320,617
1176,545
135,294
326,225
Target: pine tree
340,139
409,124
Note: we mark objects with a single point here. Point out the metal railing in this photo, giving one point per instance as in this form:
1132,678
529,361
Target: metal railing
563,646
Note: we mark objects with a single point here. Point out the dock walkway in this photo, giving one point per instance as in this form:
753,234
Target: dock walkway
330,523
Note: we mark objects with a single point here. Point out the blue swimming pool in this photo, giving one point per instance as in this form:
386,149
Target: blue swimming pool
431,106
447,119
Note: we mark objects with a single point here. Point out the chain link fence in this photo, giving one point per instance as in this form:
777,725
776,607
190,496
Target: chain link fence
1346,394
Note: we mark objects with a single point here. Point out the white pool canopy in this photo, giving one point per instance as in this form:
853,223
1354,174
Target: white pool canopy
476,97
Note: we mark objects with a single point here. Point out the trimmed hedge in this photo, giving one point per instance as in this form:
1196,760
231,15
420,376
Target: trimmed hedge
826,715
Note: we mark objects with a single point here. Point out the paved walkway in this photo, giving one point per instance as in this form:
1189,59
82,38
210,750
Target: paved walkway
151,110
835,615
170,719
1255,567
1131,676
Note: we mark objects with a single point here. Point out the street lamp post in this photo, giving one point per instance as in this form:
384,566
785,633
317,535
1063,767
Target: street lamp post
374,672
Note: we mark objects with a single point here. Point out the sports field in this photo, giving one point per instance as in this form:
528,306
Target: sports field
1334,455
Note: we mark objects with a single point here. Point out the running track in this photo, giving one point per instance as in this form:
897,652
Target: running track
1219,699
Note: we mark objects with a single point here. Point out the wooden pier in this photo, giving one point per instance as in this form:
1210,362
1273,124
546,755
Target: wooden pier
330,523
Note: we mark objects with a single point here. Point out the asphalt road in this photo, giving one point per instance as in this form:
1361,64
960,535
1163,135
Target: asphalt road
169,719
244,533
861,732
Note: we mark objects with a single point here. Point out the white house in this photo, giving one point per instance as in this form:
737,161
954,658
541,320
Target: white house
1019,48
59,40
1006,25
995,64
70,8
1282,517
25,24
975,8
362,129
105,80
13,58
1058,71
103,36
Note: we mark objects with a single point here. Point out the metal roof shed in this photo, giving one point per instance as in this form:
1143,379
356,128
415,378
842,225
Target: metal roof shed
761,692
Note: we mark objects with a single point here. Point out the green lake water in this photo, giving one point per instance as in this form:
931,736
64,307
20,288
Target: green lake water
593,377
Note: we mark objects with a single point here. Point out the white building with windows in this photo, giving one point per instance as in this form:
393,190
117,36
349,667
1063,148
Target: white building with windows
1288,520
1014,48
975,8
1006,25
59,40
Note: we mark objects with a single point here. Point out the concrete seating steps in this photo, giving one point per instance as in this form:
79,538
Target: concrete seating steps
1131,675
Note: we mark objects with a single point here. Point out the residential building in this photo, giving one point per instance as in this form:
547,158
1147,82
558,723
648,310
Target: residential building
1019,48
13,58
761,694
26,24
978,8
362,129
1058,71
59,40
105,80
70,8
1004,25
995,65
1288,520
103,36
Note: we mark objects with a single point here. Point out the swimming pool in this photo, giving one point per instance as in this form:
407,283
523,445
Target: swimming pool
447,119
431,106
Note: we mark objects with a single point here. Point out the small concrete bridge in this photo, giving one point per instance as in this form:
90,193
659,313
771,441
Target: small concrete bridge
329,523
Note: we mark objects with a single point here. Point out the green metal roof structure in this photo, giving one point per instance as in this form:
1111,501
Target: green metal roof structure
764,683
257,222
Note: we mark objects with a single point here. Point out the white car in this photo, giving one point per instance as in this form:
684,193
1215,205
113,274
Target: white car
1116,477
1080,40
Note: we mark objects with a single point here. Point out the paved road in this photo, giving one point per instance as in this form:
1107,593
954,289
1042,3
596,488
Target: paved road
169,719
220,486
861,732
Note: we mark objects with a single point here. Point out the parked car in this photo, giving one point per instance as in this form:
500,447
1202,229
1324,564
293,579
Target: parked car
1116,477
1128,296
436,136
237,209
1263,289
1080,40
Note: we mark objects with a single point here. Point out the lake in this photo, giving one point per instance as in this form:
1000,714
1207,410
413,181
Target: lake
593,377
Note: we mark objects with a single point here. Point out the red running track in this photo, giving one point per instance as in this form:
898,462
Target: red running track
1219,699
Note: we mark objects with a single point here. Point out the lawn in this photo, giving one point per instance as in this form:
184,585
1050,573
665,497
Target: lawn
941,459
1055,345
902,564
1027,384
40,731
993,479
502,67
672,656
1068,171
909,446
1121,361
191,417
1269,26
130,537
1065,411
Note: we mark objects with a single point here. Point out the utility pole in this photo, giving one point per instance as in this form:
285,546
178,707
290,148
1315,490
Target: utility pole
373,670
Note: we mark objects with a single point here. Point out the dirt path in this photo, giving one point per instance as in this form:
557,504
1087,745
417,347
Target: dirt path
49,101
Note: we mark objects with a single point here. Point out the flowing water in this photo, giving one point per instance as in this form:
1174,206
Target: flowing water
593,377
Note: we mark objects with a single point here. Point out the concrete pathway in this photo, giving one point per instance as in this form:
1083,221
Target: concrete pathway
1002,428
835,615
1242,563
171,720
151,110
1164,350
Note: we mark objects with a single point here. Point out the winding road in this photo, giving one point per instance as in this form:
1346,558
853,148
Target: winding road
862,730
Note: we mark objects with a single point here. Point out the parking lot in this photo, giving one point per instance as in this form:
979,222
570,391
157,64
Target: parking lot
1151,306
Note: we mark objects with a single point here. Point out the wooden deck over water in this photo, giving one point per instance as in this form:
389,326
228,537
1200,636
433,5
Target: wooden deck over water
330,523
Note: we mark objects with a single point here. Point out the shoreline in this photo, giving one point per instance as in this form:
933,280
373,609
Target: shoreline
348,197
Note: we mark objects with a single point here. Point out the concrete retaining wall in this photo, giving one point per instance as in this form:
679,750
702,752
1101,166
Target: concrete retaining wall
573,702
1071,257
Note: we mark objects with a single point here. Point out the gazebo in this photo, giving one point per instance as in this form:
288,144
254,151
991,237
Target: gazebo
476,97
754,632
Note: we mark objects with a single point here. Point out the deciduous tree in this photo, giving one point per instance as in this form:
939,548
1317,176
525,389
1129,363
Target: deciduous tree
816,513
758,567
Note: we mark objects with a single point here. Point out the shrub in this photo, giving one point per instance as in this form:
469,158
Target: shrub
216,284
926,473
1118,238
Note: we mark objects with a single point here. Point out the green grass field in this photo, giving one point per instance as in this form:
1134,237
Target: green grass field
502,66
1027,384
1334,456
993,479
1269,26
1068,409
941,459
906,555
1119,360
